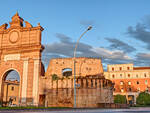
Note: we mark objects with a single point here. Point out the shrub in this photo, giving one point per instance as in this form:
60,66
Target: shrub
55,77
120,99
143,98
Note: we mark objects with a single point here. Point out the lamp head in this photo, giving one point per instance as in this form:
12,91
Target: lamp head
89,28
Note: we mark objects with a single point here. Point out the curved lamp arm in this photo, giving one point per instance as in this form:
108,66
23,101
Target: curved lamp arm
89,28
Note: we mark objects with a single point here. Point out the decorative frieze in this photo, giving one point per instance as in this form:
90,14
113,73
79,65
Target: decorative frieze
11,57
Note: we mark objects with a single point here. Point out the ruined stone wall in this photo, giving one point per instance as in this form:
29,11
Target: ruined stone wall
84,66
92,88
89,92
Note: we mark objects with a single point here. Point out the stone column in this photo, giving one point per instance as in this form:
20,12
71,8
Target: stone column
101,90
24,81
84,83
35,92
89,83
98,83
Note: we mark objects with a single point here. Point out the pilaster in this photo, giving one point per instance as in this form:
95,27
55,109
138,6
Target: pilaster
35,92
24,80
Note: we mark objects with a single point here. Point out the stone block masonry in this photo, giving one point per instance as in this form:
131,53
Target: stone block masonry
91,91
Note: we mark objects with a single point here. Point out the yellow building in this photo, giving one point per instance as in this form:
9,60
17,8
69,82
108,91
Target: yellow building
10,96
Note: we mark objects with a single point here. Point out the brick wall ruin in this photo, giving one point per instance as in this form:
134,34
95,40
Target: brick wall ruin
90,91
84,66
92,88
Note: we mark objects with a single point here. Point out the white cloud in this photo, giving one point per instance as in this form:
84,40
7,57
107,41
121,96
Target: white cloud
116,54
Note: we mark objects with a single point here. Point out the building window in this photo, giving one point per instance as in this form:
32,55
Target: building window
67,72
137,75
121,83
128,68
146,82
129,83
120,68
12,88
130,89
114,89
137,82
128,75
144,74
121,75
113,69
113,76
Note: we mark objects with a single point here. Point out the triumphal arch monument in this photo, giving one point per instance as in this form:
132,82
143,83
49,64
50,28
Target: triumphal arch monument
20,51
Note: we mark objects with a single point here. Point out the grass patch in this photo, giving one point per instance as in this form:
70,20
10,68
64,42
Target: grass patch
31,107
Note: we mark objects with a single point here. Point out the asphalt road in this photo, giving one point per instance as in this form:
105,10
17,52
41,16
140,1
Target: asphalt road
131,110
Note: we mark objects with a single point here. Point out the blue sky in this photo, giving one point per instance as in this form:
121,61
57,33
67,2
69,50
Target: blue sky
120,34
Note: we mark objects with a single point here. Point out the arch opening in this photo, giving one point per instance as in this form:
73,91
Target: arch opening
67,72
10,88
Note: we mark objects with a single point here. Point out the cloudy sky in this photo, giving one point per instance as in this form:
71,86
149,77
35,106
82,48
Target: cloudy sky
120,33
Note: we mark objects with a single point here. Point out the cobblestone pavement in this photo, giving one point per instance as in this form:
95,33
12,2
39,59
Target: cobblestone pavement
131,110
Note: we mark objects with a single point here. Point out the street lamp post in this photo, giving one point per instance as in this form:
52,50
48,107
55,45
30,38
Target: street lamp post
89,28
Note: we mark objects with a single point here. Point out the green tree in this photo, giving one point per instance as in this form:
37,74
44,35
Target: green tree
55,77
120,99
143,98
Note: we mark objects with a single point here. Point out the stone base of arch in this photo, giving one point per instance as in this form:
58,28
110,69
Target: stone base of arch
29,82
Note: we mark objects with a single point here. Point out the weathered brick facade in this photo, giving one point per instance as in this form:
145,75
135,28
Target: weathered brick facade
84,66
92,87
91,91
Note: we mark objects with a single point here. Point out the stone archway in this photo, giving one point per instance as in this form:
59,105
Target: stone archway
10,88
20,49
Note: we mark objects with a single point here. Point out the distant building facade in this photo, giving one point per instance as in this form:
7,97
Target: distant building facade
129,80
11,89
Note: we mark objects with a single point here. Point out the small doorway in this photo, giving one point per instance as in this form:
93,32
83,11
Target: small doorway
131,99
42,100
